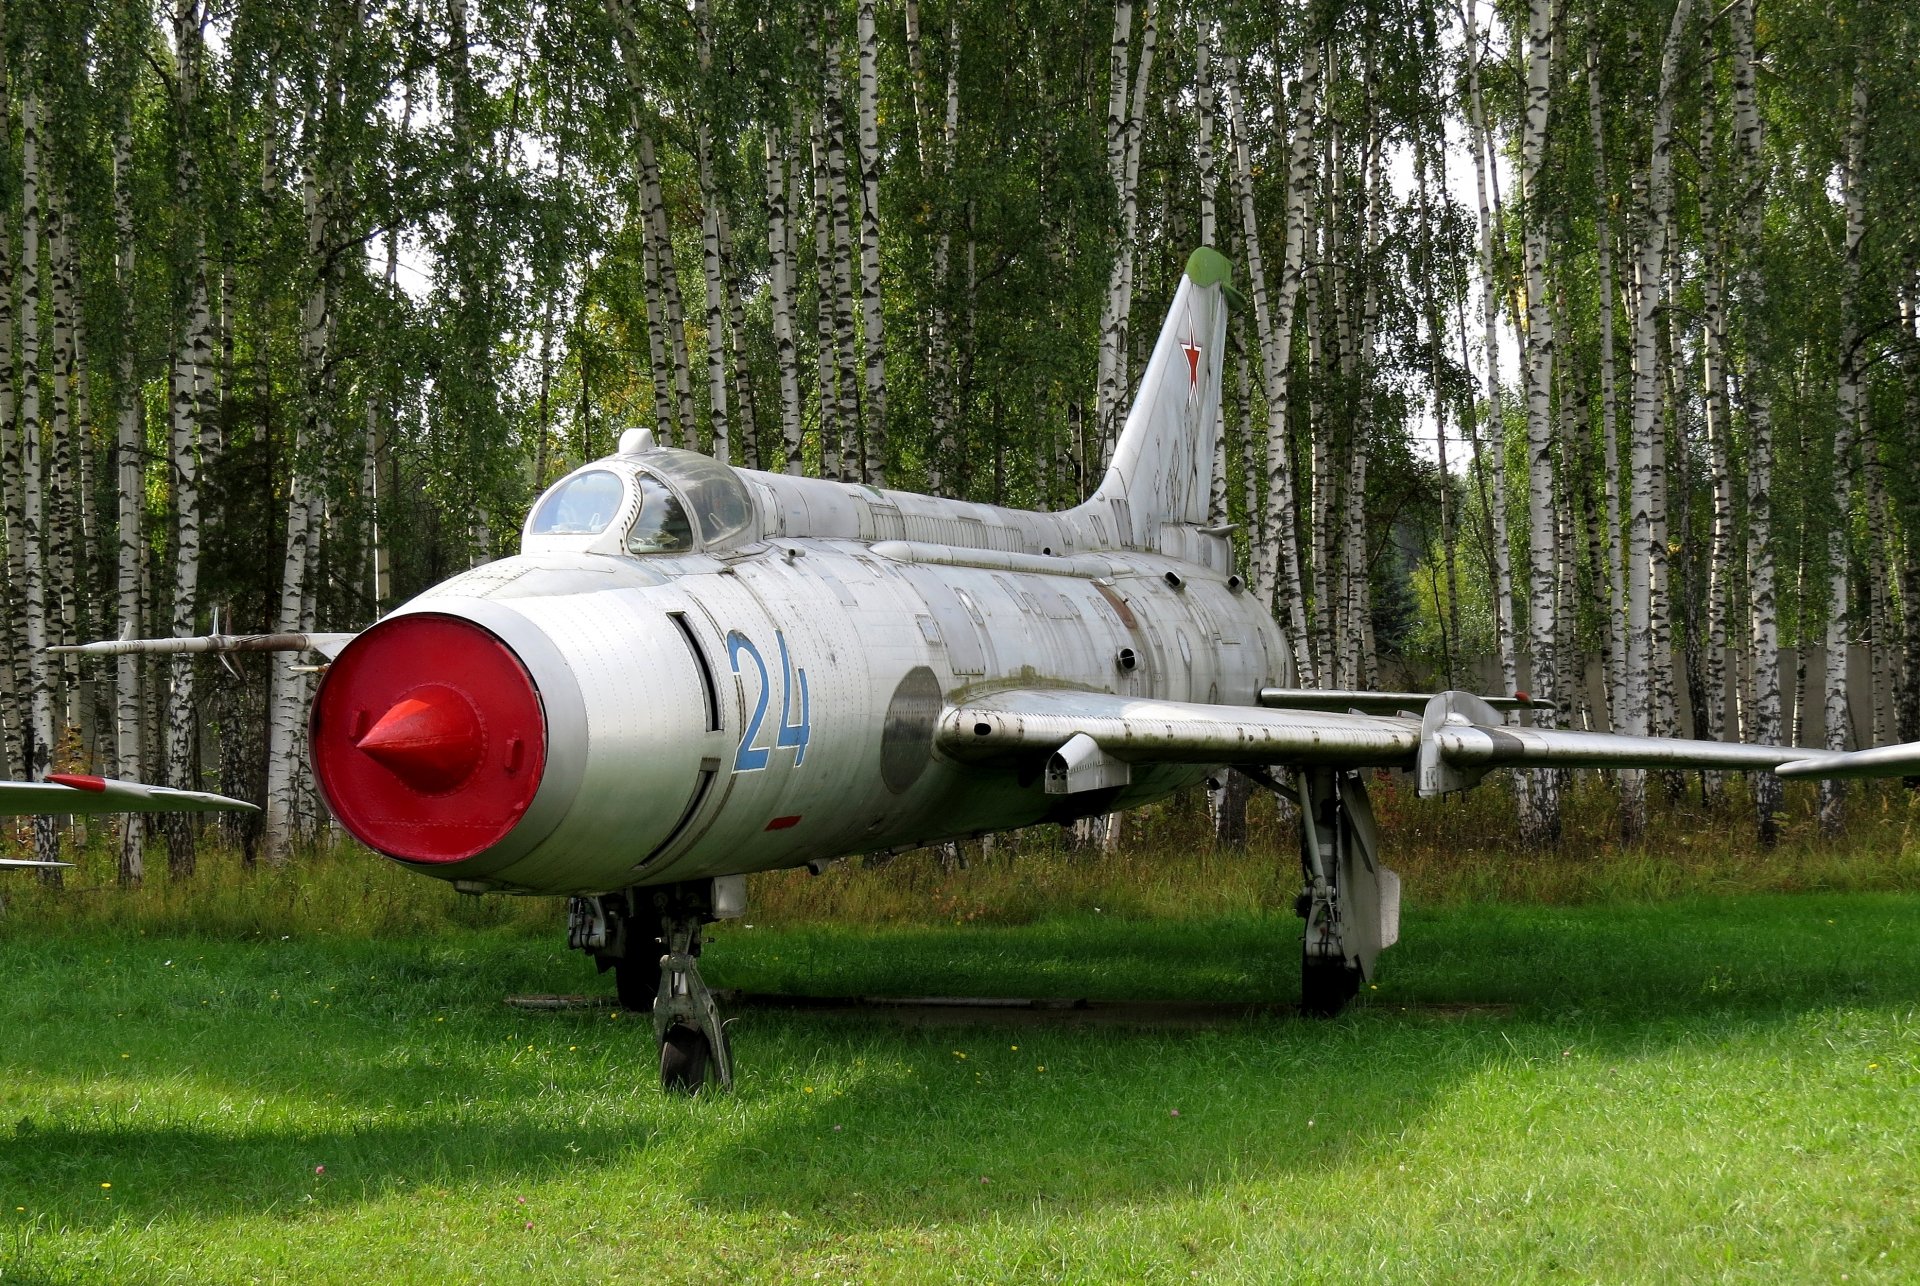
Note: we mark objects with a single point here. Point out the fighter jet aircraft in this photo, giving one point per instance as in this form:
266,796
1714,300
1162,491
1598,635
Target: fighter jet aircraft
692,672
63,794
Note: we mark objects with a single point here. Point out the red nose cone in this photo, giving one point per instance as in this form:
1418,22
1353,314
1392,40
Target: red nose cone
431,740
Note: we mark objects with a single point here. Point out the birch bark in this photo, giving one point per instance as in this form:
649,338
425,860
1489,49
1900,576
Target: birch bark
1277,571
284,818
1713,326
193,355
40,742
873,469
1849,423
780,294
660,233
711,264
1756,401
63,510
1609,400
1646,520
129,445
1496,467
1540,816
831,428
841,259
1119,71
18,720
1909,673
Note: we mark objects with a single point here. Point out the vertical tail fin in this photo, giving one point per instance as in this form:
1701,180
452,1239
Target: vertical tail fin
1162,466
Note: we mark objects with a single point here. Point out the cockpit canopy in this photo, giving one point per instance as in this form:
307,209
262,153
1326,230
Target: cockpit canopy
662,502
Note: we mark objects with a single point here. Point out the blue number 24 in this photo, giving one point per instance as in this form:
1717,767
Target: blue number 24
750,757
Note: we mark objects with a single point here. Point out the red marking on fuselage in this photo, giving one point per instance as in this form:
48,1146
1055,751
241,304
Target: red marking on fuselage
79,780
1192,350
781,823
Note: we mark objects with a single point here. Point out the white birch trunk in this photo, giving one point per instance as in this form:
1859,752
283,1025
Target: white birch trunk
129,442
1755,399
284,818
1850,421
1496,467
780,288
15,720
711,264
1645,556
711,260
660,233
945,406
1609,399
1122,283
831,428
745,422
1908,726
62,430
1721,567
1540,818
1119,71
841,260
1278,566
32,535
872,316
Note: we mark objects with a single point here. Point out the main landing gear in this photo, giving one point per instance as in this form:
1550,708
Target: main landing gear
1351,902
650,938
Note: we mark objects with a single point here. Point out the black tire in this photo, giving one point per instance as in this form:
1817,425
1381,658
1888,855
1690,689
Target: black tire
684,1058
636,980
1326,985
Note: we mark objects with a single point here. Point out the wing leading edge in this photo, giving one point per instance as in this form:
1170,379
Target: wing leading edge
74,793
1091,738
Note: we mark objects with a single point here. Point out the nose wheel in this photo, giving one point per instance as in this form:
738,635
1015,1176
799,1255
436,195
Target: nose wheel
693,1041
650,939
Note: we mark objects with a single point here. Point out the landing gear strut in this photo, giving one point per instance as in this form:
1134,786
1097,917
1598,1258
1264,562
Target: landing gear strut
1351,902
650,938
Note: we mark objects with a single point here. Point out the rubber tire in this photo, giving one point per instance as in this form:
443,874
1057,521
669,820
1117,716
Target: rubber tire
684,1059
1326,985
636,981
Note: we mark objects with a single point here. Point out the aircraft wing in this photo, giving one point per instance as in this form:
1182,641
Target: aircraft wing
1367,702
1880,761
1091,738
327,645
65,793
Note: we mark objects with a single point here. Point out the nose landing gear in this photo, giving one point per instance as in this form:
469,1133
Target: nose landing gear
650,938
686,1022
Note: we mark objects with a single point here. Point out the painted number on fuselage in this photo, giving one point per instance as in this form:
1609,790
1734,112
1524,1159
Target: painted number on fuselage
750,757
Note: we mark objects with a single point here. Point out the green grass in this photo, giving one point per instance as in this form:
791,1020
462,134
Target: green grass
1704,1088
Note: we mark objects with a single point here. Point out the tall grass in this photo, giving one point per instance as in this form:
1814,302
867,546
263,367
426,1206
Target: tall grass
1460,849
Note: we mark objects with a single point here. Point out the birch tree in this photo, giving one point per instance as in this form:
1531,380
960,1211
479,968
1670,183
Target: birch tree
1540,814
1750,184
1851,412
873,467
1278,567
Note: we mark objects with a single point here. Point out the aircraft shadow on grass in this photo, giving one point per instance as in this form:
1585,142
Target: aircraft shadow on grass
1095,1129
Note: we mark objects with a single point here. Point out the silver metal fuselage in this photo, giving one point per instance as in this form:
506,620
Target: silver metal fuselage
774,703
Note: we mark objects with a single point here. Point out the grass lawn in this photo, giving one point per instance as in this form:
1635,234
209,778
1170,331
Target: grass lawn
1706,1088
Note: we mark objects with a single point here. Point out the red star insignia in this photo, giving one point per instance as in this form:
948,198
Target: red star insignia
1192,350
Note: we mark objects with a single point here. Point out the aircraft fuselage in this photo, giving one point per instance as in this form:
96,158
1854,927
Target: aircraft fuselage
713,712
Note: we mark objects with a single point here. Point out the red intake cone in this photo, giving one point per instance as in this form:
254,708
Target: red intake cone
430,739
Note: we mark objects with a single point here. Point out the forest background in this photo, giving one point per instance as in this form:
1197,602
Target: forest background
1581,336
